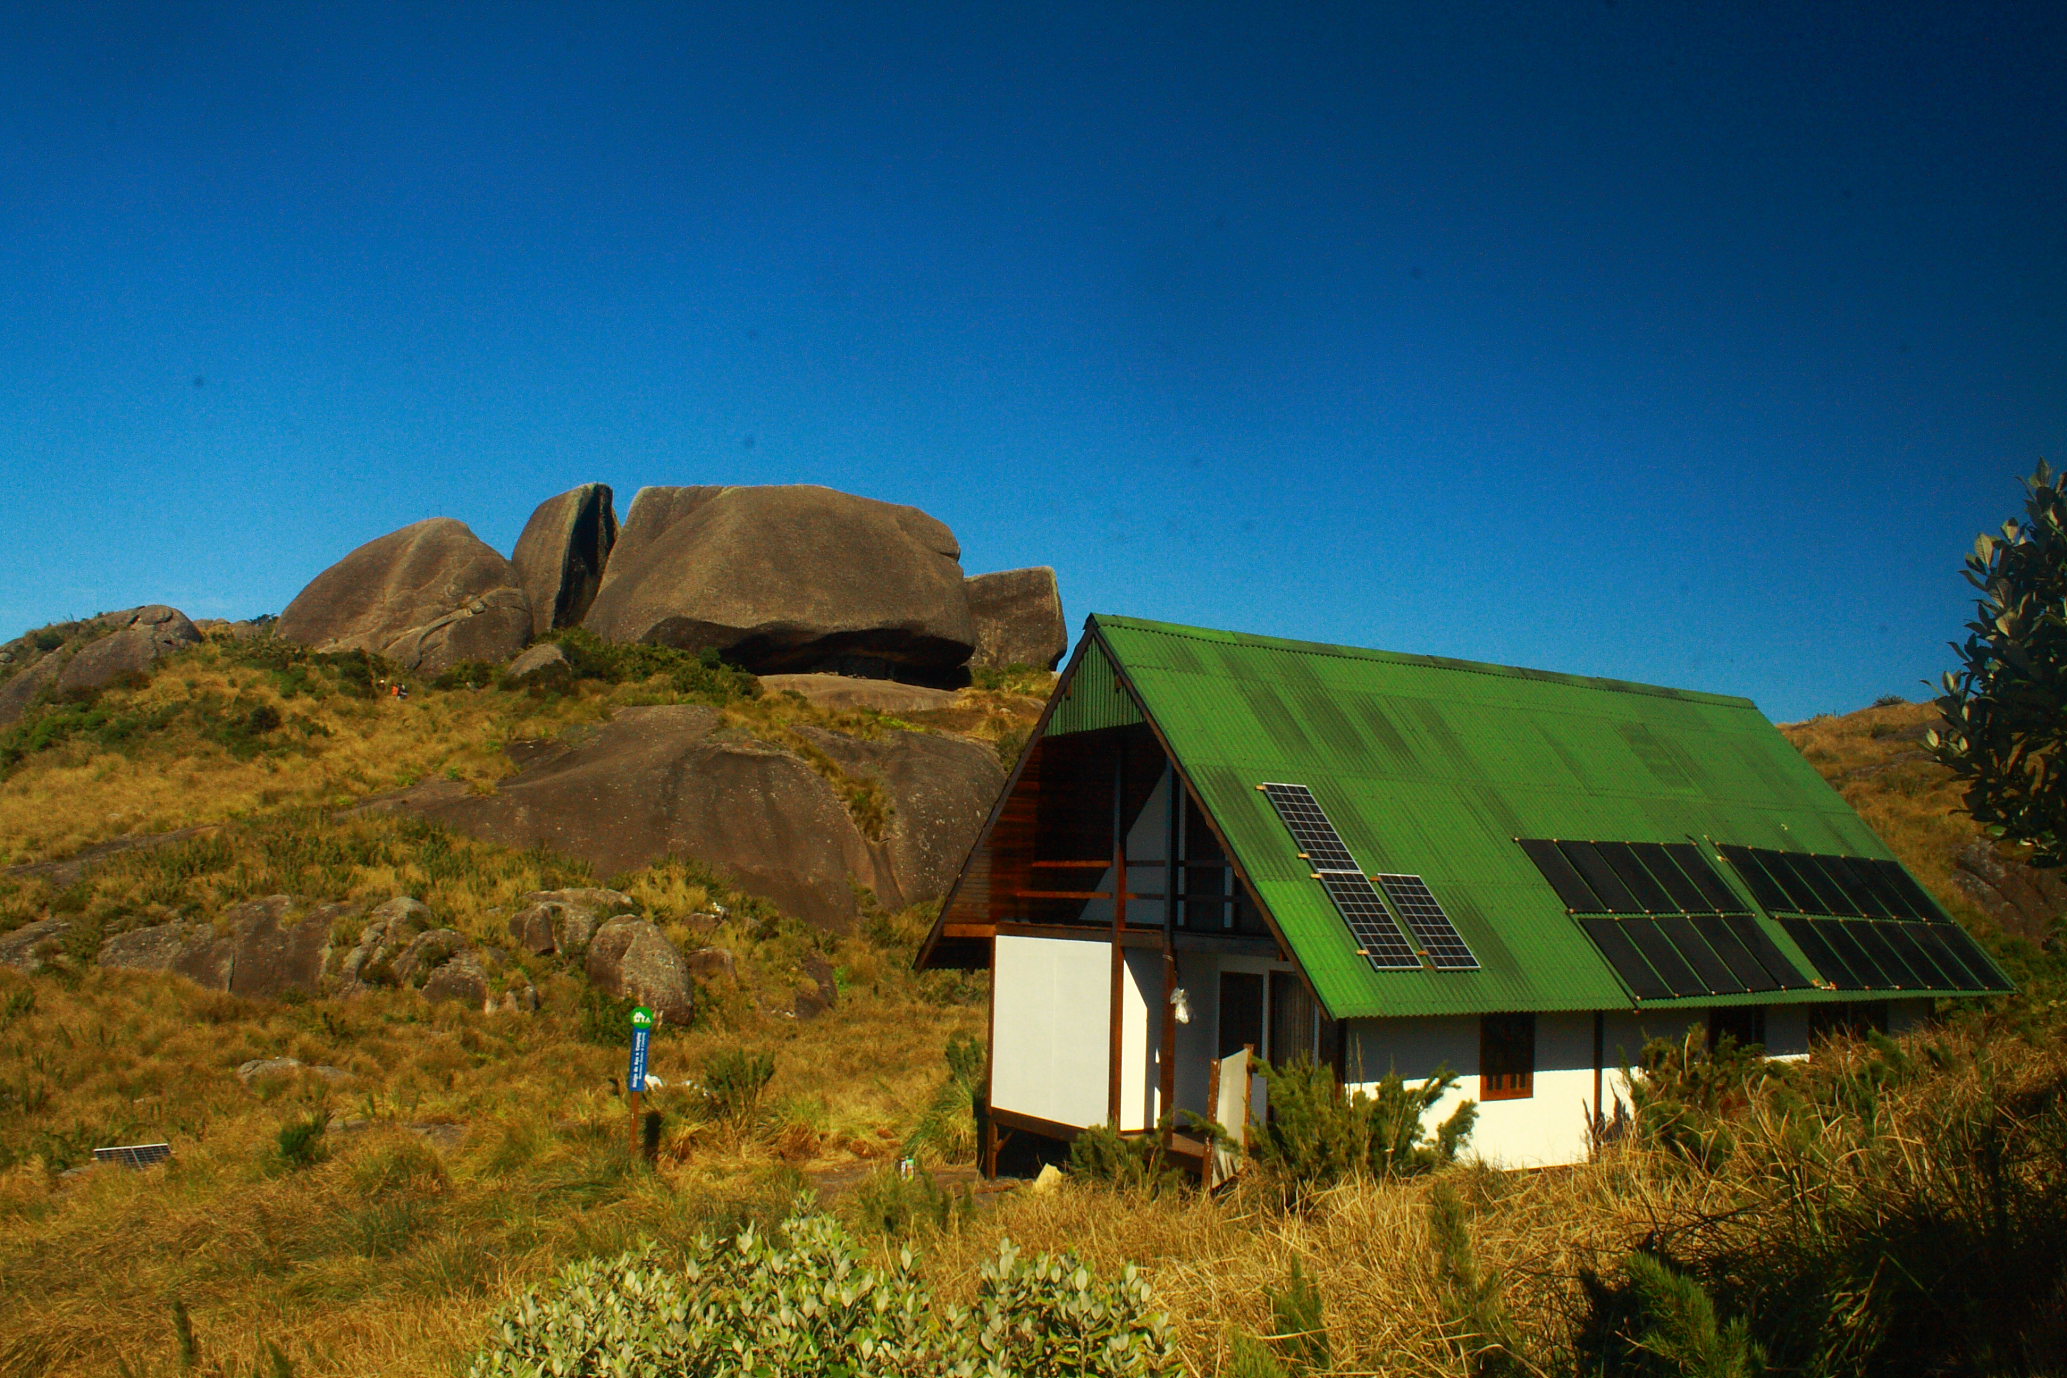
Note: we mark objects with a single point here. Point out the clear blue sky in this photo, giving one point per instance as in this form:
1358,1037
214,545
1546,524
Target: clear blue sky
1689,343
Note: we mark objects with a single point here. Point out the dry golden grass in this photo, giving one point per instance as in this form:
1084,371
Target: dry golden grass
387,1256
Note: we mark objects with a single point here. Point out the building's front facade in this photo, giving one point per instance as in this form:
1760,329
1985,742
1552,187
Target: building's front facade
1396,864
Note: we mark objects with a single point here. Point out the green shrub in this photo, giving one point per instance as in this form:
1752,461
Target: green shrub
733,1082
952,1126
808,1306
1661,1323
301,1141
1686,1093
468,674
891,1203
1317,1136
605,1019
696,675
1132,1162
1480,1328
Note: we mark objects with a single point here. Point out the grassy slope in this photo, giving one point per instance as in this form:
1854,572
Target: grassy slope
387,1256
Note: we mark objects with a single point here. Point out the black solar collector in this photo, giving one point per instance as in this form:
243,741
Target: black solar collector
1749,971
1685,896
1600,877
1721,898
1572,889
1622,955
1754,936
1650,895
1672,968
1716,976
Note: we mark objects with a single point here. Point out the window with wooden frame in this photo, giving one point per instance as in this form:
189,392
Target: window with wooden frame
1507,1056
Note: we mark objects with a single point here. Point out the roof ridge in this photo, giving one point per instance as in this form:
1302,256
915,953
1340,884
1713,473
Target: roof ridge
1491,669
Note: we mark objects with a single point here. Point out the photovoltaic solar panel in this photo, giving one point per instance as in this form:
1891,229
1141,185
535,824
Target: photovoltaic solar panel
1378,938
1417,904
1308,823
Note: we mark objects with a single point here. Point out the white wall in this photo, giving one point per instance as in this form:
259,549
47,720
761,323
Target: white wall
1141,1037
1051,1028
1544,1129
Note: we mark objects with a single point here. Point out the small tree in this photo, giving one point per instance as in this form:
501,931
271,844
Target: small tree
2006,706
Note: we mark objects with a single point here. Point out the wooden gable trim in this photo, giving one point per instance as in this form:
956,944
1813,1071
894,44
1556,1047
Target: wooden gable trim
969,931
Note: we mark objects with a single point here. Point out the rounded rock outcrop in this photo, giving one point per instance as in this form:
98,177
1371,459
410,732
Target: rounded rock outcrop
1018,619
426,597
790,579
561,555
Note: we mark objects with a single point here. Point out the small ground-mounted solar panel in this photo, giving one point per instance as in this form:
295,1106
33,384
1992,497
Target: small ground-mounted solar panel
134,1155
1378,938
1431,927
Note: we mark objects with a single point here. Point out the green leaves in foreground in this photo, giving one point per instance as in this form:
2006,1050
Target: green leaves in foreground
806,1307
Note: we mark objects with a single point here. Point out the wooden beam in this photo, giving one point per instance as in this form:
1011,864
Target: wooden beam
1119,927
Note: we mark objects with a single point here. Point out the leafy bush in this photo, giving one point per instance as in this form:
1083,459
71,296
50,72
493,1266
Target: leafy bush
1317,1136
468,674
1299,1341
1479,1326
807,1306
606,1019
733,1082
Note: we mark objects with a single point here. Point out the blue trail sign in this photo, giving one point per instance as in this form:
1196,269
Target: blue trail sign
642,1034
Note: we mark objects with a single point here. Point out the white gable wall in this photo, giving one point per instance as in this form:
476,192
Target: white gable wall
1051,1028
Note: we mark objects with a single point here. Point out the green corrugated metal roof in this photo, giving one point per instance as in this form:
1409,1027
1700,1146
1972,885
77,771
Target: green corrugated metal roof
1435,767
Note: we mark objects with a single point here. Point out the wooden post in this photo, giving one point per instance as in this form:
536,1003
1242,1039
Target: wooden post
638,1129
1166,1088
1119,924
